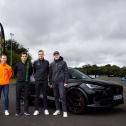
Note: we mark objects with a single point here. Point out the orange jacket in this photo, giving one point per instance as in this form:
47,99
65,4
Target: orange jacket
5,74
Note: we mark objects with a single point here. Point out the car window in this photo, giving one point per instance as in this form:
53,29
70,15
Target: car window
76,74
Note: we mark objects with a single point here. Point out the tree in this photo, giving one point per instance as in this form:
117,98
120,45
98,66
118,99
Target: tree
115,70
109,70
122,72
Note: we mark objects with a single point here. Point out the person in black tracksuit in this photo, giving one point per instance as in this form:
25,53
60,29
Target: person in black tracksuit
23,70
58,77
41,71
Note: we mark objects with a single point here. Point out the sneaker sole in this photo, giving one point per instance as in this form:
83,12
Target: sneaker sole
36,115
56,114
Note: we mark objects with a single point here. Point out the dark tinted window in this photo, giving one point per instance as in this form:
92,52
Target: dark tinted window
76,74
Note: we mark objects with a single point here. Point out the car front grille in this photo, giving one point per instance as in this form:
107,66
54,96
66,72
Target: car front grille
106,97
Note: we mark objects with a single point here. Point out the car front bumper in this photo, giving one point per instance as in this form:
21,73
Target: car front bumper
108,97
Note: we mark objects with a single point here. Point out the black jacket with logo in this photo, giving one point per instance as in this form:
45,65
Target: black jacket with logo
23,71
41,70
58,71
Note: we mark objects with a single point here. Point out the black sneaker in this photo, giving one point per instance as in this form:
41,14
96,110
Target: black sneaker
27,114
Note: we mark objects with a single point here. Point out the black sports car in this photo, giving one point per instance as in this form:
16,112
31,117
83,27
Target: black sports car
83,91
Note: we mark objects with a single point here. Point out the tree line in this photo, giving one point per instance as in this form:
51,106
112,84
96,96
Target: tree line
109,70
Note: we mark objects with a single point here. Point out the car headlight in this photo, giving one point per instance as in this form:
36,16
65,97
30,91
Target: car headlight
92,86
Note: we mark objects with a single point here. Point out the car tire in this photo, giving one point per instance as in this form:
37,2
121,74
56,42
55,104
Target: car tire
76,102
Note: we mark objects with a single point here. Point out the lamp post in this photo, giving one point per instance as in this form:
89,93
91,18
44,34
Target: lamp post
2,40
11,35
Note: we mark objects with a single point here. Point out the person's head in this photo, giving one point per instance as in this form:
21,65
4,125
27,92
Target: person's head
56,55
24,57
3,59
41,54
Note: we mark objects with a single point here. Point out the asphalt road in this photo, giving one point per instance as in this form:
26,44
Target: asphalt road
93,117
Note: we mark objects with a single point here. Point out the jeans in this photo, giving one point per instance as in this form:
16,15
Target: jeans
5,89
59,94
41,86
22,88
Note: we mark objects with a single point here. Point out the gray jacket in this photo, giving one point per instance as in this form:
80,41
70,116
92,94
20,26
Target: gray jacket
58,71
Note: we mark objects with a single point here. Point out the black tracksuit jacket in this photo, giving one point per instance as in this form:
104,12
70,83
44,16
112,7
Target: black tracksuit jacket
23,71
41,70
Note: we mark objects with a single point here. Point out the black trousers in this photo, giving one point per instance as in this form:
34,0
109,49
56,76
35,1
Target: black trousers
22,88
59,94
41,86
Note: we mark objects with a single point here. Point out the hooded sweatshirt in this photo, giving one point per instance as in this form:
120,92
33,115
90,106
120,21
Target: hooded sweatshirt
5,74
58,71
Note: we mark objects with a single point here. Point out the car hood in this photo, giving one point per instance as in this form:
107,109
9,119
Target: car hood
102,82
96,82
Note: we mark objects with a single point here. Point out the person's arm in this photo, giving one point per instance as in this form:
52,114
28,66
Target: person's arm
50,74
31,69
34,69
48,68
65,68
10,73
15,70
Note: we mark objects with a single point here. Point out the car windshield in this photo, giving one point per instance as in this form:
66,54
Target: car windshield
76,74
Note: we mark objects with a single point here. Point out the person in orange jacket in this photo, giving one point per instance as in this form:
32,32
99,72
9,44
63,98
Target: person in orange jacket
5,77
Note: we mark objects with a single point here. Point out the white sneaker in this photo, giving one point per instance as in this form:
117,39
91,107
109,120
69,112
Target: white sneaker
46,112
57,112
36,112
7,113
26,114
65,114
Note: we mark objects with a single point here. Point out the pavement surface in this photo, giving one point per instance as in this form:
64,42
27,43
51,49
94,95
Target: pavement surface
93,116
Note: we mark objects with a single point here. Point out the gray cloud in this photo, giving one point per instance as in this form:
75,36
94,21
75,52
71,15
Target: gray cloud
84,31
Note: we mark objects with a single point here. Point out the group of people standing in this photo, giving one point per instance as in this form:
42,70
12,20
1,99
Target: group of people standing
54,75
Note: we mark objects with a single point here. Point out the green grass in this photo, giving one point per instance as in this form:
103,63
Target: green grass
116,79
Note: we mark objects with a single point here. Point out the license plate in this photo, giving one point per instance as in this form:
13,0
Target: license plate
117,97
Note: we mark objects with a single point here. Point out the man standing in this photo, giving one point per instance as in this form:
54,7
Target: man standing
41,70
5,77
58,80
23,71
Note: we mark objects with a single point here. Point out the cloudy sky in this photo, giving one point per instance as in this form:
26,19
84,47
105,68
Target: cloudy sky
84,31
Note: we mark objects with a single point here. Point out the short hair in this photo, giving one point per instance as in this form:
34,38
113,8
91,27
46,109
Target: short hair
24,53
3,55
56,52
41,51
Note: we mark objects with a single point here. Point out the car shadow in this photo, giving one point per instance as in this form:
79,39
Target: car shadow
104,111
96,111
